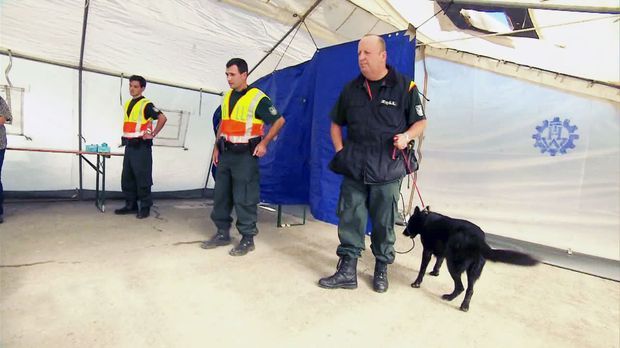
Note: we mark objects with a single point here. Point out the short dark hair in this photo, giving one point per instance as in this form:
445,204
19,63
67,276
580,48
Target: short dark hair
241,64
138,78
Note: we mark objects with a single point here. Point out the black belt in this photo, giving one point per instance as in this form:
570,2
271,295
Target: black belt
235,147
225,145
135,141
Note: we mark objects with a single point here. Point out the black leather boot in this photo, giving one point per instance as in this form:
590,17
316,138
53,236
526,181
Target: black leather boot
143,212
245,246
345,276
221,238
129,208
380,279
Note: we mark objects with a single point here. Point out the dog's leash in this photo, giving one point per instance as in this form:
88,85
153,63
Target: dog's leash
406,160
419,195
404,252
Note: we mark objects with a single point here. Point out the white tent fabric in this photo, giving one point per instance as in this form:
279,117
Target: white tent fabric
185,42
50,105
480,161
46,29
487,96
587,46
203,34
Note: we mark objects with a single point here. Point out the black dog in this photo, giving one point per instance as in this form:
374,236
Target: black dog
460,242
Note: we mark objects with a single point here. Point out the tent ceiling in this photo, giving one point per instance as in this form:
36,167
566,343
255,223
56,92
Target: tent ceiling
182,41
333,21
585,45
189,41
596,6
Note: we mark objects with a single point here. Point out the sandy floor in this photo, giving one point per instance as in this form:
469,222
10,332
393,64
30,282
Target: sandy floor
73,277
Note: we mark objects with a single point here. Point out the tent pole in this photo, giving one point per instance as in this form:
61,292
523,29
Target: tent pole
301,19
80,70
538,5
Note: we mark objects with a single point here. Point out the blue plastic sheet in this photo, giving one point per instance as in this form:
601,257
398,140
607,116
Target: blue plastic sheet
294,170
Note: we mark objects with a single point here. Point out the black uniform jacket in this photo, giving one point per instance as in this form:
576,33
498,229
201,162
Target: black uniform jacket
371,125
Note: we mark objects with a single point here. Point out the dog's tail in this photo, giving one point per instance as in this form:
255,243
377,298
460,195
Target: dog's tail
508,256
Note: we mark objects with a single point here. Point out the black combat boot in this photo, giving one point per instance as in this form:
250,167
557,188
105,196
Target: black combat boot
221,238
245,246
129,208
345,276
380,279
143,212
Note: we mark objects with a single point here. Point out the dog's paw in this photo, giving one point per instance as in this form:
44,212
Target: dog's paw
434,273
415,284
465,308
447,297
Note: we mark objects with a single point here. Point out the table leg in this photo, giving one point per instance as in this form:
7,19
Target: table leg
103,185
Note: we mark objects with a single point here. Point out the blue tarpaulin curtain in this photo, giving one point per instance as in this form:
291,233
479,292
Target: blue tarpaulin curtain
294,170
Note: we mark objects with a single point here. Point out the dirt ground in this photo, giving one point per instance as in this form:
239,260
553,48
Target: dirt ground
71,276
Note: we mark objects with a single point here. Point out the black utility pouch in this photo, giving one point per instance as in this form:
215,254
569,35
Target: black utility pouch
411,162
221,144
254,142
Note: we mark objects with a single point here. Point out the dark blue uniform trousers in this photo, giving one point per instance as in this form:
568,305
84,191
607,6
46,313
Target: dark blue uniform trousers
137,176
236,184
358,200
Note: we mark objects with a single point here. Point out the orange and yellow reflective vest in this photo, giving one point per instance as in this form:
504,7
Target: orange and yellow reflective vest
136,124
240,124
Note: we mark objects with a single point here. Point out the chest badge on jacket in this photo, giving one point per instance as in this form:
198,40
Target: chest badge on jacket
388,102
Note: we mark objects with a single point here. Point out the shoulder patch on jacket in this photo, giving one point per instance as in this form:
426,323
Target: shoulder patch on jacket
411,85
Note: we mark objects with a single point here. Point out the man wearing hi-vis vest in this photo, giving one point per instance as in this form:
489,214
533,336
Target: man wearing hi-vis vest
239,144
138,134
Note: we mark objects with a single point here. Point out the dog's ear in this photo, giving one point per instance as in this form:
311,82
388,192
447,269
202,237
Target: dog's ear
427,209
416,210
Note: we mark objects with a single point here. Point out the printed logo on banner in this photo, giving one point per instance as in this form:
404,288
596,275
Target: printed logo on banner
555,136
